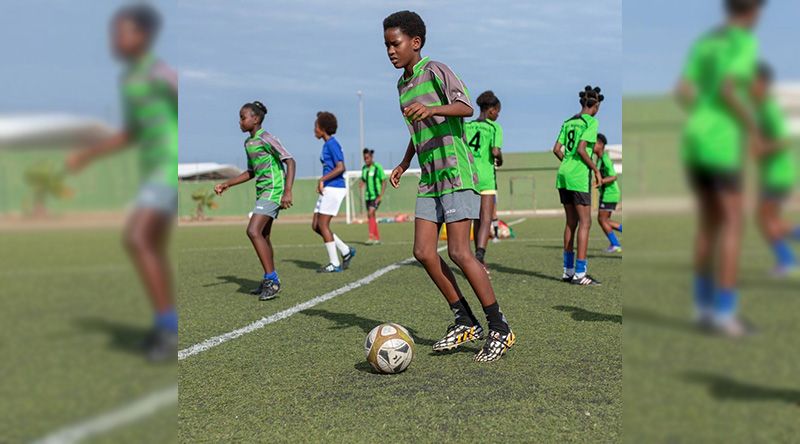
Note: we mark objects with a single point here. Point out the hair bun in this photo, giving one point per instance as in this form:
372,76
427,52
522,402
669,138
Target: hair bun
260,106
600,98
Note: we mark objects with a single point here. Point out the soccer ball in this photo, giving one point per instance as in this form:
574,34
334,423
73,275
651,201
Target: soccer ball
389,348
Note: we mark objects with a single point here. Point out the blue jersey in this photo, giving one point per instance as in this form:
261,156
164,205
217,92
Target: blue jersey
331,155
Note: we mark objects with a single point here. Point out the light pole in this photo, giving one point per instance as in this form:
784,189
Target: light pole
361,121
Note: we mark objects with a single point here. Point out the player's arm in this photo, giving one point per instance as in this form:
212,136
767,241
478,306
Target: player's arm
609,179
557,150
417,111
79,159
291,167
337,170
685,93
383,190
588,161
498,156
398,171
242,178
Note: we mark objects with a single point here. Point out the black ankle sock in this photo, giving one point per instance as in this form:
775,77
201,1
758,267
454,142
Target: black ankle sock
463,313
480,253
497,321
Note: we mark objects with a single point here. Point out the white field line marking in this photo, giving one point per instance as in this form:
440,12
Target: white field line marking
263,322
124,415
514,222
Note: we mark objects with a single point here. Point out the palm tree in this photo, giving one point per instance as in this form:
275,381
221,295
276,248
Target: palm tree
203,199
45,181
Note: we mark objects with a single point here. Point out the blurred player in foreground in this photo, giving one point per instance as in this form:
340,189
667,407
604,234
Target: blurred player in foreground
150,99
714,88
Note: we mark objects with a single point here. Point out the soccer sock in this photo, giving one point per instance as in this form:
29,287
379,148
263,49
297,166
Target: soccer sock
343,248
373,227
569,262
272,276
495,227
462,313
619,228
333,256
613,239
783,253
703,294
167,320
580,267
480,253
496,319
725,303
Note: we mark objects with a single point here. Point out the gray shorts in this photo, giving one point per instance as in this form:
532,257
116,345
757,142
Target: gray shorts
160,197
267,208
453,207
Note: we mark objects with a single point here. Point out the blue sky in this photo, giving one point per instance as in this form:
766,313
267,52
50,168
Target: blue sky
658,34
300,57
56,57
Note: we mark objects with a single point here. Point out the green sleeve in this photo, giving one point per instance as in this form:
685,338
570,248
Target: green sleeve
773,122
609,165
363,174
691,69
590,135
743,66
562,136
380,173
498,136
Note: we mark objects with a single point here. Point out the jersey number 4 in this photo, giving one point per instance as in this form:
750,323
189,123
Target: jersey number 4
475,142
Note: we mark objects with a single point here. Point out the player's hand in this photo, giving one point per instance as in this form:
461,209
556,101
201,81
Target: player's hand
220,188
397,173
378,200
417,111
286,199
75,162
320,186
598,178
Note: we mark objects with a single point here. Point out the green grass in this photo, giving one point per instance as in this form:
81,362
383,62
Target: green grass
305,379
683,386
73,312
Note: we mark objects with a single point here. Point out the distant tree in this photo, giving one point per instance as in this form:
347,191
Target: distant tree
45,181
204,200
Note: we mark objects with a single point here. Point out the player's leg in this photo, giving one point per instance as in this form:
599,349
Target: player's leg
373,224
322,224
570,229
495,221
482,226
775,232
146,238
256,229
500,337
604,220
466,327
581,277
708,223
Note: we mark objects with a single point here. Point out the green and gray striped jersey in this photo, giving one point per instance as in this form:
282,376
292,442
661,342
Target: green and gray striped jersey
150,97
373,177
265,156
445,160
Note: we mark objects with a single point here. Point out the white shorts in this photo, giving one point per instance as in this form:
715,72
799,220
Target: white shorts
330,201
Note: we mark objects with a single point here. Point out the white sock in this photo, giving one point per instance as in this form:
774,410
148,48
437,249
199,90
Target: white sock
332,255
569,271
343,248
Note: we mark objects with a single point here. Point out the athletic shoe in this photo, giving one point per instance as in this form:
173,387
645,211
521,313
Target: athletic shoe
613,249
257,291
161,345
458,334
497,344
330,268
370,242
495,240
348,257
270,289
585,280
733,327
785,271
567,277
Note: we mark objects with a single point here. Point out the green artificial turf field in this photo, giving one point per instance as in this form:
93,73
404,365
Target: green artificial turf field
682,386
305,379
75,312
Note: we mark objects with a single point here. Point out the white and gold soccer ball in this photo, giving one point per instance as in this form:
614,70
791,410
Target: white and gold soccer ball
389,348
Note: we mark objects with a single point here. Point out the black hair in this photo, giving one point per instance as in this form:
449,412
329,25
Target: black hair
487,100
743,6
368,151
327,122
590,96
765,72
144,16
409,22
602,137
257,108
